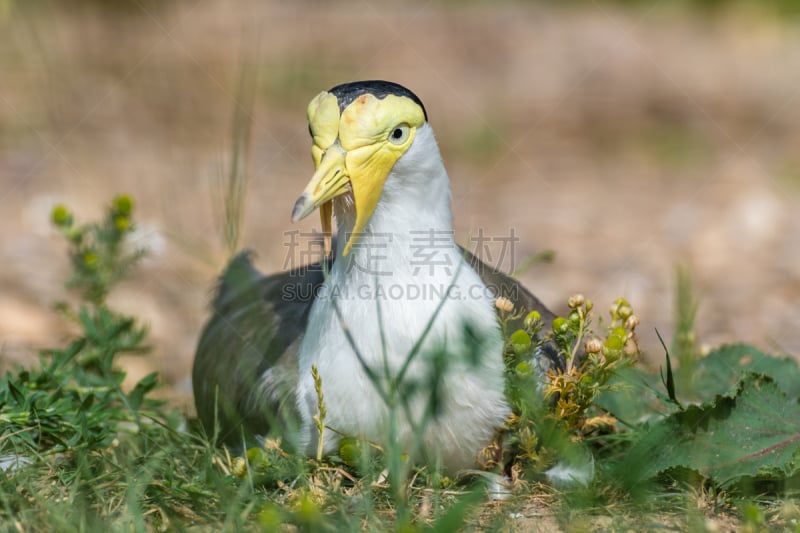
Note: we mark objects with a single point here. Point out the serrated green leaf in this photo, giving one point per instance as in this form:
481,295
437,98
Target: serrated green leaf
720,371
637,395
755,432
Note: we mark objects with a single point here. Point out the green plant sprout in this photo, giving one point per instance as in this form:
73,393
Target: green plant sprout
98,251
589,362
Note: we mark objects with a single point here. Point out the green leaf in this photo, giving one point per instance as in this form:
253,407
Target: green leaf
720,371
87,322
669,382
19,398
141,389
756,432
62,357
634,396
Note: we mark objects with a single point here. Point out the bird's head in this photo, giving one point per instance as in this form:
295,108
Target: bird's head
359,131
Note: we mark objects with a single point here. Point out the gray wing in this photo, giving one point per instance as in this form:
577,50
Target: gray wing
245,368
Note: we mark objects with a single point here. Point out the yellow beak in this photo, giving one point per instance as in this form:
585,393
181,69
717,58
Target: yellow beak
333,179
329,181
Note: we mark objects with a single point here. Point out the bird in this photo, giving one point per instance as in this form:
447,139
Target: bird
395,301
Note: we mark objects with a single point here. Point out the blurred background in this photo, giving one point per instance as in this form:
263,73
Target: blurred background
627,137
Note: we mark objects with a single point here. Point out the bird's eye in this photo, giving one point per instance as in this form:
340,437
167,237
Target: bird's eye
399,134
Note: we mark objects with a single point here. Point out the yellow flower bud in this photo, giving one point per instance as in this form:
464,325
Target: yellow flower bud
632,322
532,319
520,342
239,467
307,510
122,222
61,216
90,259
271,518
614,343
560,325
123,204
616,307
523,369
504,304
593,345
350,450
257,458
575,301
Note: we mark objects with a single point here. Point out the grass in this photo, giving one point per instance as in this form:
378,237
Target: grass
103,459
82,454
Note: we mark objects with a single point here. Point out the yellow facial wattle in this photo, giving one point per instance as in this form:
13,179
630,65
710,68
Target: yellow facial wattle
357,148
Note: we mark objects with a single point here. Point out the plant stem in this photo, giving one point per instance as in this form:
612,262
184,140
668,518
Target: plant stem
322,411
578,340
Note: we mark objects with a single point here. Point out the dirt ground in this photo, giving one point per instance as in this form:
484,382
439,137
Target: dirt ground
627,141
